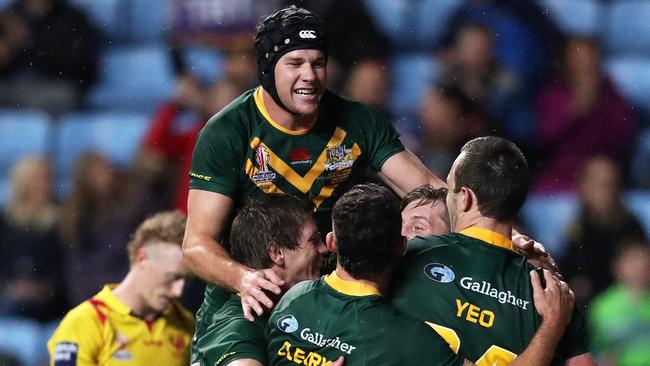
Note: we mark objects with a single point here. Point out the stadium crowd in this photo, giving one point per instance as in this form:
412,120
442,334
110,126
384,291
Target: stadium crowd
101,104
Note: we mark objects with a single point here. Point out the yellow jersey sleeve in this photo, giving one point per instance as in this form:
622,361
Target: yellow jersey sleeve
78,340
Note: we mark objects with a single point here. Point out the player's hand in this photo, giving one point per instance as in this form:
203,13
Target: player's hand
253,284
339,361
535,253
555,302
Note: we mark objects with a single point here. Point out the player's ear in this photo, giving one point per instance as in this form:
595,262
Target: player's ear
141,255
468,198
276,255
330,242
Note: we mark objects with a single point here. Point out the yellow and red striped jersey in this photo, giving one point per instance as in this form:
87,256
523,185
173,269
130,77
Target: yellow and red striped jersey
102,331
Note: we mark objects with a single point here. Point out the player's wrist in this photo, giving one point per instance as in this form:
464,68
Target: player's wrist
553,326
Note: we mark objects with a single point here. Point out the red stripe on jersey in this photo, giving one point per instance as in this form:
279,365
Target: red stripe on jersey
96,305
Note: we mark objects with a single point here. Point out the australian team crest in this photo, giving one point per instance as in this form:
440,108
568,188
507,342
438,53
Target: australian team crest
262,158
339,157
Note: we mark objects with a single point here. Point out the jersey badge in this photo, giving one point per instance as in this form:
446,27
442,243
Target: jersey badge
339,157
439,272
122,353
262,158
288,324
65,354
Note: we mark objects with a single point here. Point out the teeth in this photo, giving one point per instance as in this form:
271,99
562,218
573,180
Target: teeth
305,91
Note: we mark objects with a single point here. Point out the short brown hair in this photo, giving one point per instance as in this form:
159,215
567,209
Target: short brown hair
266,219
166,227
424,195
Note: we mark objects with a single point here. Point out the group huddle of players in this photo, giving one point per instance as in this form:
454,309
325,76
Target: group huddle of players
274,193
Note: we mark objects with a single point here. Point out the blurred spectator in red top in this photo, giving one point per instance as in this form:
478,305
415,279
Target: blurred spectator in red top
176,125
580,116
48,55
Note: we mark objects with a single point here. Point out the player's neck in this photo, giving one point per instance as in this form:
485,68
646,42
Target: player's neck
380,282
284,118
128,292
502,227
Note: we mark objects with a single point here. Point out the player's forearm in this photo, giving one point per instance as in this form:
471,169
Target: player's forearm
212,263
541,348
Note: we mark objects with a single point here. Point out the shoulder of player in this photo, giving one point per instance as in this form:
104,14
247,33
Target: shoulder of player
297,292
421,244
84,316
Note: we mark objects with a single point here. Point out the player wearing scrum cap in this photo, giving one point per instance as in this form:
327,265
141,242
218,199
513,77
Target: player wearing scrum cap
287,135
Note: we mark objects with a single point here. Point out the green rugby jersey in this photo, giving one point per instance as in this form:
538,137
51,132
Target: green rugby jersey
317,321
475,291
242,151
225,336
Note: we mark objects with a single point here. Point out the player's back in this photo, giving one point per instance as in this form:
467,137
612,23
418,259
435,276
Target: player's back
318,321
475,294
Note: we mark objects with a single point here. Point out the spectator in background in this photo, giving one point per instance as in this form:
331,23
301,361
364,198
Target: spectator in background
31,293
449,119
470,63
222,24
171,138
368,83
602,224
102,211
580,115
30,255
620,317
524,39
48,55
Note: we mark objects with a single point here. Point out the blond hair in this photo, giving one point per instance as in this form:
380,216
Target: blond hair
19,211
163,227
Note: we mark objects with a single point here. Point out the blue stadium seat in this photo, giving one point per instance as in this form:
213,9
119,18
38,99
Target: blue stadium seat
133,78
204,62
107,15
411,75
575,16
626,29
632,77
147,19
22,133
412,24
115,135
639,203
547,217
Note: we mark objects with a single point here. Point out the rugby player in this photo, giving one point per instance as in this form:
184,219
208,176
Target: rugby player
272,231
345,313
138,321
424,212
471,285
288,135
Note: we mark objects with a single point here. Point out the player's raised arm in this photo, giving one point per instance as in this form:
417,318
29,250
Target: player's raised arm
208,215
404,172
